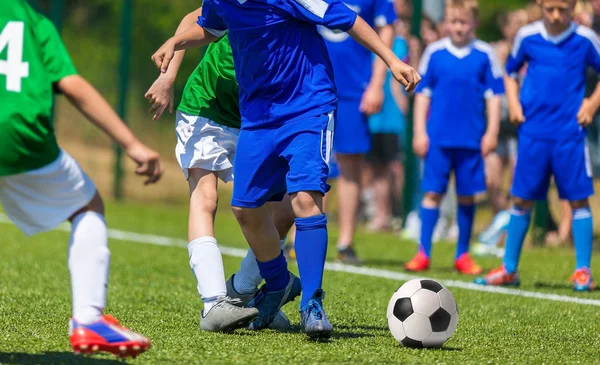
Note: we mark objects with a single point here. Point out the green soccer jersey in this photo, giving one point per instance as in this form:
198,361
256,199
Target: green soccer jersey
212,91
32,59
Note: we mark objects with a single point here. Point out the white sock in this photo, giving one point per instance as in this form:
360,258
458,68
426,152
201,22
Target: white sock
89,261
248,278
207,264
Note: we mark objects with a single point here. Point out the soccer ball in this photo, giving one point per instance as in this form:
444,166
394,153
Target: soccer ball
422,313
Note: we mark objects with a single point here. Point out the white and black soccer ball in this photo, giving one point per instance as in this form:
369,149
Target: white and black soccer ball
422,313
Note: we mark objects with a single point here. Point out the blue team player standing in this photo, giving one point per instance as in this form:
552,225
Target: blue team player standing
462,81
287,103
360,83
552,114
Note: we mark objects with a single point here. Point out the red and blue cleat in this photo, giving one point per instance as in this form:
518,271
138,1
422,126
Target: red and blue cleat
499,277
106,335
582,280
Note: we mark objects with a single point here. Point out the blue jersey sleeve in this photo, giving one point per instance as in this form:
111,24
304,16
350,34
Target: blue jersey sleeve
211,21
494,82
332,14
517,58
426,71
384,13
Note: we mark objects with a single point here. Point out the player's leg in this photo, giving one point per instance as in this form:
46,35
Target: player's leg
382,158
470,180
352,142
260,177
531,182
573,176
205,153
436,174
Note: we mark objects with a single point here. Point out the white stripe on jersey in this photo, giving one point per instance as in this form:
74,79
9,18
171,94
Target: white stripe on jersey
526,31
430,50
317,7
589,34
497,70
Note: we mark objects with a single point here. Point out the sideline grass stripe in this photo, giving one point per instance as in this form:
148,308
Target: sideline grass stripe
378,273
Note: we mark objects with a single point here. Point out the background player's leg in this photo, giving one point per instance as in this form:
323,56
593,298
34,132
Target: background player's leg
430,213
582,233
89,262
348,198
517,230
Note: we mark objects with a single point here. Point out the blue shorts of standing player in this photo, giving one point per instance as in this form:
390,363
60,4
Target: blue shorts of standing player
287,102
552,114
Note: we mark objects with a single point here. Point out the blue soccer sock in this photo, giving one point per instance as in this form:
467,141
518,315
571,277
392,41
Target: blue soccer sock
517,230
582,236
429,218
311,250
465,217
275,273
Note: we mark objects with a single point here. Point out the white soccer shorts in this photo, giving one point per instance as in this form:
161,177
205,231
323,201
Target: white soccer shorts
203,144
40,200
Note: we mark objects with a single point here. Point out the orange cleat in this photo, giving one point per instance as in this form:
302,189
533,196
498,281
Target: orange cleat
418,263
499,277
106,335
582,280
465,265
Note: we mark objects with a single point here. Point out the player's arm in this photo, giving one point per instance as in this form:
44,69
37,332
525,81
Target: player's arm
195,36
494,86
372,99
513,90
400,97
420,137
97,110
161,94
590,105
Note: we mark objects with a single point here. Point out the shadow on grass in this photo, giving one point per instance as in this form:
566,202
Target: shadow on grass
557,286
443,349
54,358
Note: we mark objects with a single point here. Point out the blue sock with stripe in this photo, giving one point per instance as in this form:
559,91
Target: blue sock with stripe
275,273
583,230
464,217
429,218
517,230
311,250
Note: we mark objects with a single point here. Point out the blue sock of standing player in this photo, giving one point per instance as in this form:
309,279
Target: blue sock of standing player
311,249
275,273
582,237
429,218
517,230
464,217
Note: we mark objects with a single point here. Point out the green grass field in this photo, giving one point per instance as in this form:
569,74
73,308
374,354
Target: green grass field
153,291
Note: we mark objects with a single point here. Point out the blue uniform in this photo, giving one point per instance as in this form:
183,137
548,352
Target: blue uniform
551,142
352,64
458,81
287,92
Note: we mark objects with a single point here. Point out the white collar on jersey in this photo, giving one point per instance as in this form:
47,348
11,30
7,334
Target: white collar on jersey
557,38
458,52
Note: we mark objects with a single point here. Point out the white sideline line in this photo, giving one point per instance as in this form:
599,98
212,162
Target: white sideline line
378,273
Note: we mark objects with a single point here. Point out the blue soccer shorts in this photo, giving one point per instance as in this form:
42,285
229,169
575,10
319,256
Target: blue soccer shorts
272,161
467,165
538,160
352,134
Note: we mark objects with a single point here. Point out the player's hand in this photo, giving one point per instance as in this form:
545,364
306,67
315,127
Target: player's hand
516,115
421,144
147,160
586,113
162,58
372,100
160,96
489,142
406,75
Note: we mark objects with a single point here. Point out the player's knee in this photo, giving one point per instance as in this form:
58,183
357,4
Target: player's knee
95,205
307,204
578,204
522,203
283,216
466,200
432,200
206,199
247,217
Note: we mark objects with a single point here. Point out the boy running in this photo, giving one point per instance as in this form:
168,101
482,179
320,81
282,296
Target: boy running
41,186
287,102
552,113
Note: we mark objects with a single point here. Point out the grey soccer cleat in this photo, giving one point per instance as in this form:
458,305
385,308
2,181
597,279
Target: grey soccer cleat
227,315
280,322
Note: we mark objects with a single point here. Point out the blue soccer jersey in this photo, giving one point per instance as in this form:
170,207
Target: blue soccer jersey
459,80
351,61
554,86
281,61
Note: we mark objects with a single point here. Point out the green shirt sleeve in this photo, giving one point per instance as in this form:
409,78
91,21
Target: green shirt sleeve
54,55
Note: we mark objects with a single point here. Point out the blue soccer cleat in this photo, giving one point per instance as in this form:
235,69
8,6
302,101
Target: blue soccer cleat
269,303
106,335
313,319
582,280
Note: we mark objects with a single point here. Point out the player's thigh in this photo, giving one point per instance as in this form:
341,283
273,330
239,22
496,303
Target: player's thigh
436,170
572,170
203,144
533,169
469,170
306,146
259,171
352,131
40,200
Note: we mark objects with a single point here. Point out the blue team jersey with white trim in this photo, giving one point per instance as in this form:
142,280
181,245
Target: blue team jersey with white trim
554,85
459,81
281,61
352,63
